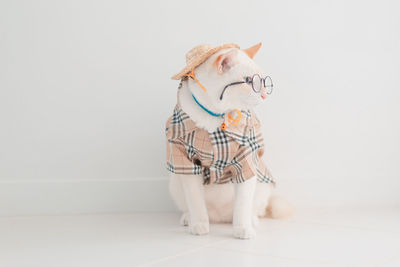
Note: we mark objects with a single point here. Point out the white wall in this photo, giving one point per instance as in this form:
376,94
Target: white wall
85,90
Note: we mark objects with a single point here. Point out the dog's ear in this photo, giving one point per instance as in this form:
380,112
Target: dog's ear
225,62
252,51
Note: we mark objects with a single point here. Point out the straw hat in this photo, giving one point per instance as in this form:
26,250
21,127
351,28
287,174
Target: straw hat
198,55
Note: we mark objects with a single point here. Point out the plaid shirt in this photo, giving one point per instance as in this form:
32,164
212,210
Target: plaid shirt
231,155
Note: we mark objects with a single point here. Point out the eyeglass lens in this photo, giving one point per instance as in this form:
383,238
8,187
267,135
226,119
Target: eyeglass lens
256,83
268,84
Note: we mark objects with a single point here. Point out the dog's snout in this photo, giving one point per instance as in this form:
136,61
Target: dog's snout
264,94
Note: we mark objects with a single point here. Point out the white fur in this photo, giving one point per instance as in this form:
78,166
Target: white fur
242,203
236,97
243,210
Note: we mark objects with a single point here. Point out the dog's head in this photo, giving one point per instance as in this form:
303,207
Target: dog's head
227,76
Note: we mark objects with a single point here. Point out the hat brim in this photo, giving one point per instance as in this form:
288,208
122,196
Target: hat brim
197,61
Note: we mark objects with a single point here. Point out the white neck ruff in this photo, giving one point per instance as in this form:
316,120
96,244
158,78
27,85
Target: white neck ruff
195,112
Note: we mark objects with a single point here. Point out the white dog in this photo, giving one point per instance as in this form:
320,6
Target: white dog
214,143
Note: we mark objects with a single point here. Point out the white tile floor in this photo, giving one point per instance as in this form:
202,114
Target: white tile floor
313,238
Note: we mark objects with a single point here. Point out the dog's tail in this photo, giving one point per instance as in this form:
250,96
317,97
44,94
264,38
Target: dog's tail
279,208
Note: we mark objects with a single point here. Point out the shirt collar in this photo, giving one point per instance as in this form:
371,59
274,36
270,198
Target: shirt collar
181,124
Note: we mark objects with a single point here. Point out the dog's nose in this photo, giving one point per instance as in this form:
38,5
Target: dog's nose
264,94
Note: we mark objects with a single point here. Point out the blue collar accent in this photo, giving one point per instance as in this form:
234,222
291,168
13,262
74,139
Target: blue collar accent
207,110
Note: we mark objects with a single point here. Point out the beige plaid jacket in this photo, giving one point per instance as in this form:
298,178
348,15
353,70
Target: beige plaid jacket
231,155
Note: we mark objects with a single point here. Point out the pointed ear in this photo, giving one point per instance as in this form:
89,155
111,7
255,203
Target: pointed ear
225,62
252,51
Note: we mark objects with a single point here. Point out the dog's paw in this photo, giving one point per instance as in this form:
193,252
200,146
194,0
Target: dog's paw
243,232
184,220
200,228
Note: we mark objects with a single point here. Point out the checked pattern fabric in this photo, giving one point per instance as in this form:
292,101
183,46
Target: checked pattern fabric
231,155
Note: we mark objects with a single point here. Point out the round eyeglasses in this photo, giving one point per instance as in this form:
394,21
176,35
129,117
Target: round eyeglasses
256,83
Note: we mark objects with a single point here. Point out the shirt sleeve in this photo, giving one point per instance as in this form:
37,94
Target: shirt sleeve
177,159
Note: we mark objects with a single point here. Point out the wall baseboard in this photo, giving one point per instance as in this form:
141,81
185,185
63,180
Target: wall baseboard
48,197
150,194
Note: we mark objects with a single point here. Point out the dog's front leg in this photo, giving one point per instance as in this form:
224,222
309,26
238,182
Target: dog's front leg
243,209
193,190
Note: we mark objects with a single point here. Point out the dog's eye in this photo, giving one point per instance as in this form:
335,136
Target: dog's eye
247,79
